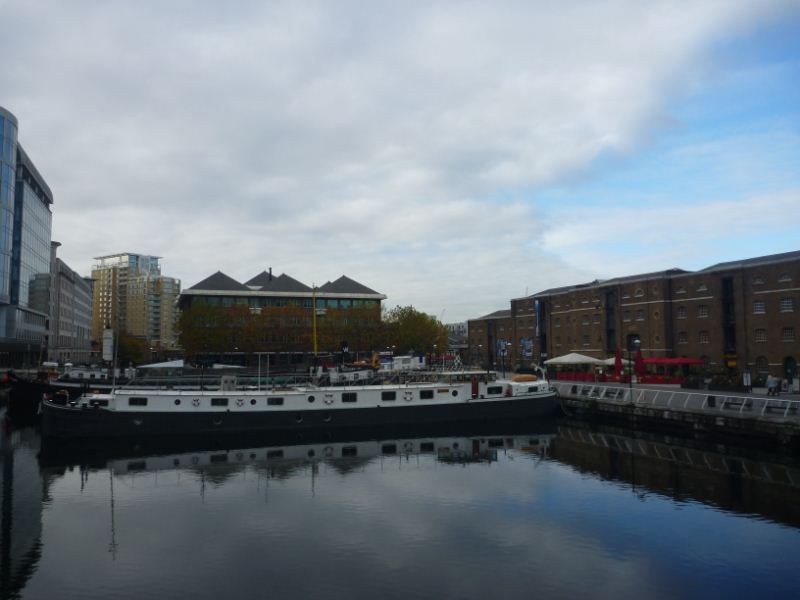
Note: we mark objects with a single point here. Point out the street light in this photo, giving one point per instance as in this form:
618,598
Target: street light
634,344
433,366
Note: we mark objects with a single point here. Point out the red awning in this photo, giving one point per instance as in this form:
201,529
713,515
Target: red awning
674,361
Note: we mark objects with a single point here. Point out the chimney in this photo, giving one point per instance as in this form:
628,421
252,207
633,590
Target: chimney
270,273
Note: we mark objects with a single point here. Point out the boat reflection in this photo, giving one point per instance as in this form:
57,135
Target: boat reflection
283,454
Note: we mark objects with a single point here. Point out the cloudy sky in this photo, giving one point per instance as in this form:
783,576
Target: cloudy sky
452,155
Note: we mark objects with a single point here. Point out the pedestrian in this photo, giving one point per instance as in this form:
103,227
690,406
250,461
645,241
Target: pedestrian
771,381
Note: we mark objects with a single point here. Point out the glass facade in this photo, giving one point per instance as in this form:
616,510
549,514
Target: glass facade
8,162
31,251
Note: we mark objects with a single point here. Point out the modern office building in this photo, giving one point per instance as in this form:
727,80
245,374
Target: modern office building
70,334
131,296
737,316
25,229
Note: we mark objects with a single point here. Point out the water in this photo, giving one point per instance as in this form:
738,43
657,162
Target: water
533,509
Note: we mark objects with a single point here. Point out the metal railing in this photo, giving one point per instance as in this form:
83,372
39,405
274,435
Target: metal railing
706,402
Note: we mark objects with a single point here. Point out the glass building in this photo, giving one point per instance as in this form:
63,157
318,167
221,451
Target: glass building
25,230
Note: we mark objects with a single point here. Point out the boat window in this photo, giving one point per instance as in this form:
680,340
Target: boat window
274,401
350,451
274,453
426,447
533,389
219,402
177,401
494,389
311,398
134,401
389,449
218,458
425,394
388,396
349,397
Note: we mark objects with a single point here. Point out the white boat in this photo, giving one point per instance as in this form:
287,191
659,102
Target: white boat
452,397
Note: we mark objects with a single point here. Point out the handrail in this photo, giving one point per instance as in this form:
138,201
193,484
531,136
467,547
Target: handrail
688,400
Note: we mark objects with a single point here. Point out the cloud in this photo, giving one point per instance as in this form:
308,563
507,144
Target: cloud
397,144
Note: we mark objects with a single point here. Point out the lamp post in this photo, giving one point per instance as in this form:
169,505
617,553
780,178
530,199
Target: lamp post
433,360
633,345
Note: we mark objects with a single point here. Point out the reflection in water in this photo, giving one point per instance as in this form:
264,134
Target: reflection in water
20,508
714,475
532,508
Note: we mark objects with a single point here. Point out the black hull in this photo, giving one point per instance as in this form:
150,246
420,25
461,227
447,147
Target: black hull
25,396
69,422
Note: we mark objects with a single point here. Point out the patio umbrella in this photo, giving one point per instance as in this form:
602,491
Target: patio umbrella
618,362
638,363
573,359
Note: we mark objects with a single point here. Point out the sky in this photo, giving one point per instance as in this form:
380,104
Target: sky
451,155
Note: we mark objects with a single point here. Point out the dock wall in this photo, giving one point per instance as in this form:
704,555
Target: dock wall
707,414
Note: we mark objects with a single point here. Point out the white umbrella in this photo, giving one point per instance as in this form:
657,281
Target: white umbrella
172,364
573,359
609,362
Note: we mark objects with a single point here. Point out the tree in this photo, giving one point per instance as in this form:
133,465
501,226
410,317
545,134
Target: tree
132,349
408,329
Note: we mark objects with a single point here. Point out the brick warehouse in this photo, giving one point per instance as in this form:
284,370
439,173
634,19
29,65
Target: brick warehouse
740,315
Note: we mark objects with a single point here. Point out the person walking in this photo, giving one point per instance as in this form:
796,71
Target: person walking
772,385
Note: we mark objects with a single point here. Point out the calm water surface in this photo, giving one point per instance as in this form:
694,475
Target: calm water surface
531,510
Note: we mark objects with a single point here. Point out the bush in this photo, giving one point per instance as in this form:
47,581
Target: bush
724,383
692,382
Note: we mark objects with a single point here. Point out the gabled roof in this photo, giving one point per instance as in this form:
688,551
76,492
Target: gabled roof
345,285
283,283
220,282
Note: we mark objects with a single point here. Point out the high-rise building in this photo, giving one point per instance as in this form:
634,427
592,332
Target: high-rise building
131,296
25,226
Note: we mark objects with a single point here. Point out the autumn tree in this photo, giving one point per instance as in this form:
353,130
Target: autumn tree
132,350
408,329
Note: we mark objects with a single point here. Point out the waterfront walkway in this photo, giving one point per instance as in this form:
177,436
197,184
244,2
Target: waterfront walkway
754,415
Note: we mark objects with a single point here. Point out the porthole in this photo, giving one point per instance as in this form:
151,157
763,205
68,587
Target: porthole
252,401
311,453
311,398
455,393
177,401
